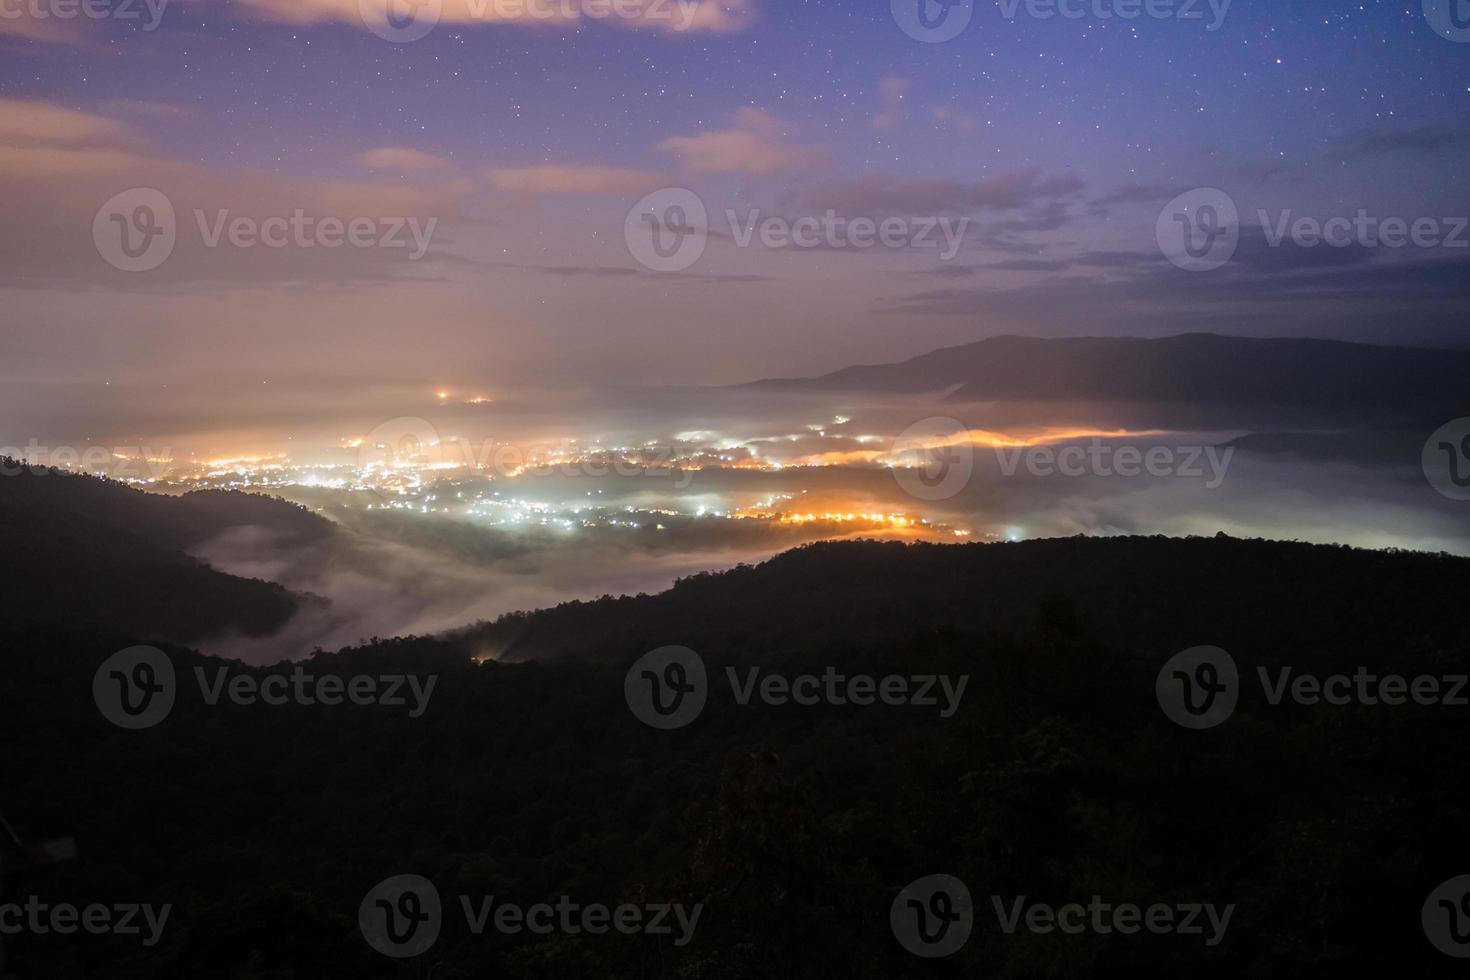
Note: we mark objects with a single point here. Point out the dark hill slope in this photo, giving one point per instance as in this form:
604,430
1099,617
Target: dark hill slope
1152,595
91,551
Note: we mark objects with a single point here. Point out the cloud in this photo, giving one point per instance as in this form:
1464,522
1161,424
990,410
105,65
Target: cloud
44,140
1133,193
1104,259
625,272
561,179
62,164
16,21
1031,265
33,123
1348,296
891,91
144,109
893,94
404,160
1429,140
1257,253
758,144
664,16
883,194
949,116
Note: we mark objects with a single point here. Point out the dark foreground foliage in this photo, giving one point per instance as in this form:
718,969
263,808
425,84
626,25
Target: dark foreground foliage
1058,779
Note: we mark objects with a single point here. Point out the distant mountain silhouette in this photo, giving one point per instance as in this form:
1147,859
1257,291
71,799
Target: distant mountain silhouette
85,550
1329,377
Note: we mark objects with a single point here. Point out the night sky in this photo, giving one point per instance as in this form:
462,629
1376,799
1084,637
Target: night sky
1060,139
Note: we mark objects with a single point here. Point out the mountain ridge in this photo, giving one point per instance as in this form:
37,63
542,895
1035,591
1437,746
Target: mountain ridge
1339,377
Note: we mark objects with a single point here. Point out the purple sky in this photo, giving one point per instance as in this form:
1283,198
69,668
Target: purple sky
518,150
